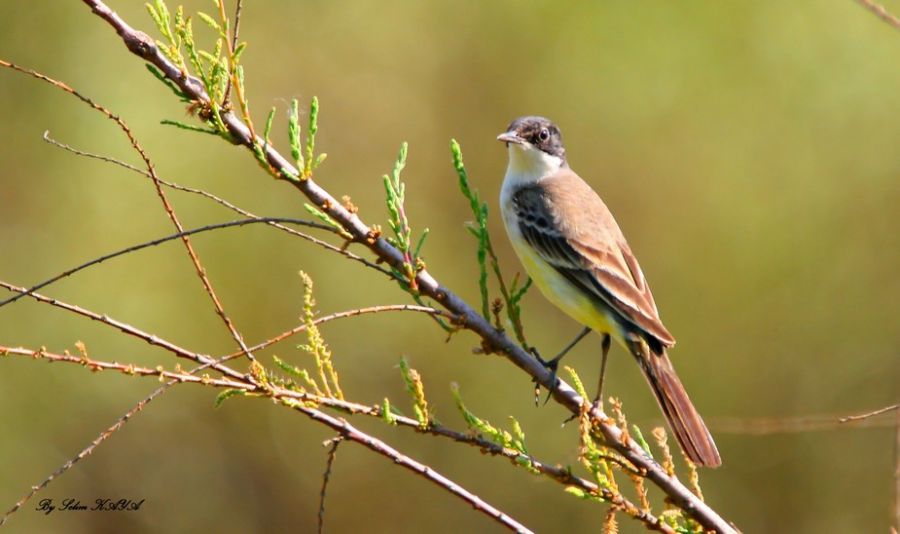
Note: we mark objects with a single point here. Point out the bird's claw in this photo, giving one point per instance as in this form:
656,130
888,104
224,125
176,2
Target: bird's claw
552,366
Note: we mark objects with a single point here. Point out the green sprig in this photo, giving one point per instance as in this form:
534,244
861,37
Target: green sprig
486,251
227,394
395,194
416,390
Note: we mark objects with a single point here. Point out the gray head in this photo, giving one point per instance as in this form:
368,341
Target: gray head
538,132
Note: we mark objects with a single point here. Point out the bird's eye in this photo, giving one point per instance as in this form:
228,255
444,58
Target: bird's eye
545,134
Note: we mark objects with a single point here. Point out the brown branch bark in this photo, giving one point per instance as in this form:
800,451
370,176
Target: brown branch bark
881,12
291,398
142,45
294,399
349,432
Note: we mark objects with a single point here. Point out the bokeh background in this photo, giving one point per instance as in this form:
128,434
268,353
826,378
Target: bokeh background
748,150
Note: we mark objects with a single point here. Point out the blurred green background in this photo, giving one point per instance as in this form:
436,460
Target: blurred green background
748,150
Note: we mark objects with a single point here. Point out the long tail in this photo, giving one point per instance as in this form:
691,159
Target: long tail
683,418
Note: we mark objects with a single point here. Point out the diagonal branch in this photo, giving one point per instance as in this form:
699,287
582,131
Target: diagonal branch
680,495
881,12
179,235
160,192
129,330
288,398
221,201
177,378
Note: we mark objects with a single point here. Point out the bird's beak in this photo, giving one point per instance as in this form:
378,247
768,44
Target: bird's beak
510,137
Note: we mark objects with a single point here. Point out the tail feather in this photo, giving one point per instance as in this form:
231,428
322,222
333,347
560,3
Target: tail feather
685,422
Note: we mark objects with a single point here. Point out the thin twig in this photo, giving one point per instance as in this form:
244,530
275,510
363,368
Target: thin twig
762,426
103,436
167,206
680,495
153,243
177,378
234,43
868,415
126,369
333,443
341,315
349,432
343,427
221,201
292,398
881,12
128,329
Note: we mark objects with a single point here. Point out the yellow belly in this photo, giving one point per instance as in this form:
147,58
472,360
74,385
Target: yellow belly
563,294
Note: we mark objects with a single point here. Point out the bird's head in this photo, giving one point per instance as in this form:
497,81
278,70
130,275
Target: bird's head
535,145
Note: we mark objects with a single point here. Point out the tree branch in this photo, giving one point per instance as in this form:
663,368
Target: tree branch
881,12
221,201
290,398
142,45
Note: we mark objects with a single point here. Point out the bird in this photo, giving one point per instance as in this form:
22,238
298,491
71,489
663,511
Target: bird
576,254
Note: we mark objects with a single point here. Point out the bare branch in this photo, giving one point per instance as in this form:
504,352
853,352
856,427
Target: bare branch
104,435
333,444
177,378
146,244
881,12
234,43
126,369
761,426
341,315
222,202
170,211
292,399
868,415
130,330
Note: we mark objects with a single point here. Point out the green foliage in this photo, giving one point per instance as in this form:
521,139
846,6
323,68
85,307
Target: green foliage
514,440
171,48
486,255
294,134
316,346
395,197
577,384
325,218
191,127
269,121
639,436
211,22
386,414
305,164
302,374
478,229
167,82
416,390
311,161
227,394
210,67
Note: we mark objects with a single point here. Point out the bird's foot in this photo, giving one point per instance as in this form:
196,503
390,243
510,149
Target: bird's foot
550,365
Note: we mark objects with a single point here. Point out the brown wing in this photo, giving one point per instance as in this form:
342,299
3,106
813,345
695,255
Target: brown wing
568,224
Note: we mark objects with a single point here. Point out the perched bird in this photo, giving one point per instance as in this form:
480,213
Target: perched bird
576,254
